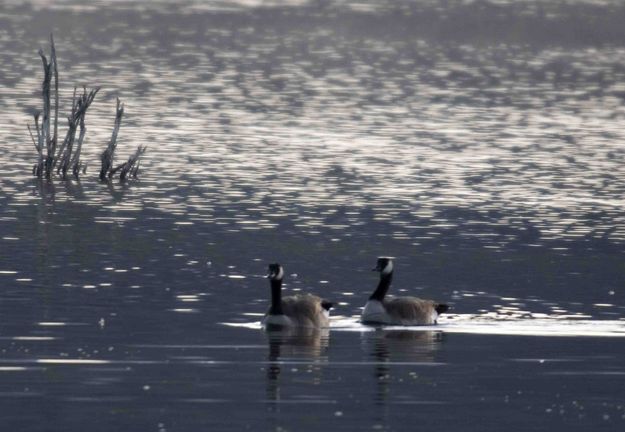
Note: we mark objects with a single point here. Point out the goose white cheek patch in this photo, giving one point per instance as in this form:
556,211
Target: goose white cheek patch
388,269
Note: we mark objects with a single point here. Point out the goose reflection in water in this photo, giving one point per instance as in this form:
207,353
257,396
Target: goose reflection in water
401,348
302,346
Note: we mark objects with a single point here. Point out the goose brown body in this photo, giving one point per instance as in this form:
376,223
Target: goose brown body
305,311
411,311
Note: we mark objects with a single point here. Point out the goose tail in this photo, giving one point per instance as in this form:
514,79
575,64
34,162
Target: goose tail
327,305
441,308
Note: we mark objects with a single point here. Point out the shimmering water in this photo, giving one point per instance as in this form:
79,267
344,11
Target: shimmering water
480,143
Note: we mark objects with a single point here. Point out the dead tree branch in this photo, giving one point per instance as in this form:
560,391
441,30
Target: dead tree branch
66,156
131,166
38,168
56,93
109,154
45,122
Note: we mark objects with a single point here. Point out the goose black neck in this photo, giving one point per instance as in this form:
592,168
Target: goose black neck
276,297
383,286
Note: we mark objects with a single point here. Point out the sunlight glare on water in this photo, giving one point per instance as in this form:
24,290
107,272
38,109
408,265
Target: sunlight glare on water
523,148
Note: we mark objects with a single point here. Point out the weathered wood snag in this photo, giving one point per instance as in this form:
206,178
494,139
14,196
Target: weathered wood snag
67,157
46,138
47,134
131,166
108,154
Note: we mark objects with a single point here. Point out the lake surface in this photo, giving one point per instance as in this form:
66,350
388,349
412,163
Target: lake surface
479,143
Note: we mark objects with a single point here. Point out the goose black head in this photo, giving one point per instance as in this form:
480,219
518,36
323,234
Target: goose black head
275,272
384,265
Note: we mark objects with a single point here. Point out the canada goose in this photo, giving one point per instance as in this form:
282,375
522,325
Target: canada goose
294,311
398,310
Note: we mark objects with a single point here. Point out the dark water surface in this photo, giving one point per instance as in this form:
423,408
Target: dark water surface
480,143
